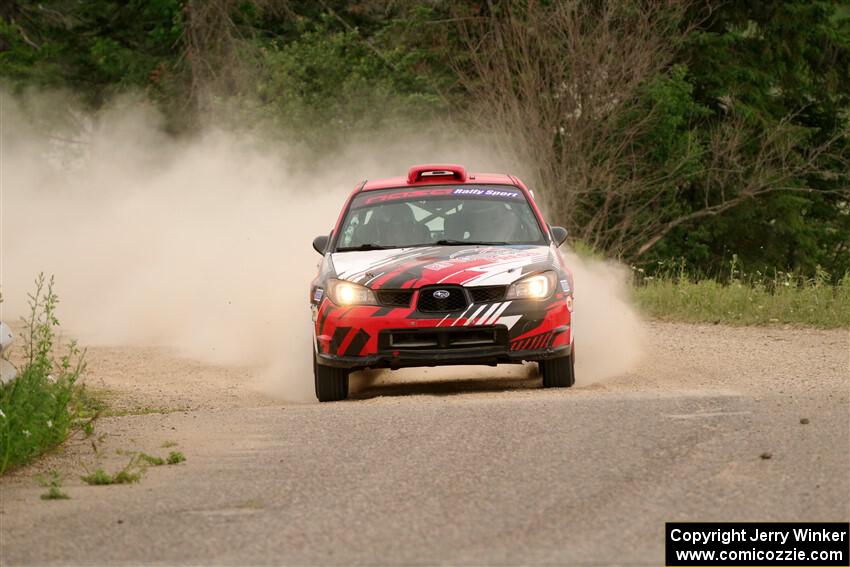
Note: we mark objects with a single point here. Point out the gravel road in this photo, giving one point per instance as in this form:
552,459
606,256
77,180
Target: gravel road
483,470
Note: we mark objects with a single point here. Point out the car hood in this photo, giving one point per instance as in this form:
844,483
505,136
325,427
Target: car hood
467,265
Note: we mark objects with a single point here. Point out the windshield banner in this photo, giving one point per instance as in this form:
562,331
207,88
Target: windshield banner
497,192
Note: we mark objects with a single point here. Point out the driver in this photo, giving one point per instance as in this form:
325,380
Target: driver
483,220
395,225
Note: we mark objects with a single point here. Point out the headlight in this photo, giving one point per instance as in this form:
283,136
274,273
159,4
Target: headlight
342,292
538,286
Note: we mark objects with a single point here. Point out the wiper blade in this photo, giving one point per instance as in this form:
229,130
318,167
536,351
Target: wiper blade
441,242
364,247
449,242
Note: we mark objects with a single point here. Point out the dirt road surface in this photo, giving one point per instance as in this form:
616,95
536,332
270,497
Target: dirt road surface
478,471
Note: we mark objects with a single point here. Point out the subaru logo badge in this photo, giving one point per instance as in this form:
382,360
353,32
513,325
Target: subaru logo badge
441,294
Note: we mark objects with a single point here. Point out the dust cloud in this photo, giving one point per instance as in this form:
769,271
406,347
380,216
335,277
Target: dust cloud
609,336
203,244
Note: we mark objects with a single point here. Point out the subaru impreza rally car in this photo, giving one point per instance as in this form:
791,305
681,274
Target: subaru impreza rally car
441,267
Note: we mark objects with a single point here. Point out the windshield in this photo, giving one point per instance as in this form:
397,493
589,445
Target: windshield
439,215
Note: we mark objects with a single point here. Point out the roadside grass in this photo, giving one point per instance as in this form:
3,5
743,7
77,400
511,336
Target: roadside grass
746,299
44,403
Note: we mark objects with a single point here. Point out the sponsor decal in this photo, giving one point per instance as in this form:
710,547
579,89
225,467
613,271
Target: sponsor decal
565,286
487,193
402,194
438,266
318,295
499,255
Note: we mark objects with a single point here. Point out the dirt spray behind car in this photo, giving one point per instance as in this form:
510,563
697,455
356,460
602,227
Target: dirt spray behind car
203,244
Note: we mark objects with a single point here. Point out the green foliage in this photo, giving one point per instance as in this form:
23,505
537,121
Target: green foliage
39,408
747,300
670,151
133,471
766,61
175,457
95,48
53,484
671,142
325,83
54,493
102,478
98,478
151,460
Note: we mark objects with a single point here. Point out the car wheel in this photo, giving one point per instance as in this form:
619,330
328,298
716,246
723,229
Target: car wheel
331,383
558,372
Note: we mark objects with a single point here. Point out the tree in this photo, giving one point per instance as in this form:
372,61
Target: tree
629,145
780,65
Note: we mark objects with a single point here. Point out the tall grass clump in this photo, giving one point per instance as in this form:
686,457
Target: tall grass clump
743,299
39,407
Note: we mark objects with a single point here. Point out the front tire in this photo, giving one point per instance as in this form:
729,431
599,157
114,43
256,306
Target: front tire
331,383
558,372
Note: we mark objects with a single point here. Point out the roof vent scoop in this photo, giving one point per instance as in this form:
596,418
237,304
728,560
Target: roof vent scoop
421,172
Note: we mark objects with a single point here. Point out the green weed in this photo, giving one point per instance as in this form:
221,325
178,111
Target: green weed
134,470
151,460
102,478
39,408
131,473
53,484
97,478
54,493
175,457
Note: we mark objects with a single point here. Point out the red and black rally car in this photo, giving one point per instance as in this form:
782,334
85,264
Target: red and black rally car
441,267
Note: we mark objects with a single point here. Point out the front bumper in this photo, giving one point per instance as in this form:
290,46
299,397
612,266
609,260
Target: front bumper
404,358
437,358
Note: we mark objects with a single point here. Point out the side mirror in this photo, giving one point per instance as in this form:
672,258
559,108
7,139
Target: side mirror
320,243
559,233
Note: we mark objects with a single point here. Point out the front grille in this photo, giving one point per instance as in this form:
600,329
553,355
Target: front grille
454,300
442,338
487,294
395,297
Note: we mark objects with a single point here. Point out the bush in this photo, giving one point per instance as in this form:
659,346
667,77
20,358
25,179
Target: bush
39,408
